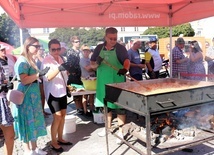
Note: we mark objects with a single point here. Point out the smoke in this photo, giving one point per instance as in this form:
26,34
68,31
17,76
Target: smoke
197,116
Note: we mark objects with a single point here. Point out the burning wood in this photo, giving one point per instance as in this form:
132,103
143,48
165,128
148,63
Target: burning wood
166,133
169,126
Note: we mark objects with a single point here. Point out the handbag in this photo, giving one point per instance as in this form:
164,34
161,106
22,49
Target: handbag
16,96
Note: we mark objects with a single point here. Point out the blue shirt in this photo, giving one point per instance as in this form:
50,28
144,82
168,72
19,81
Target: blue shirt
134,57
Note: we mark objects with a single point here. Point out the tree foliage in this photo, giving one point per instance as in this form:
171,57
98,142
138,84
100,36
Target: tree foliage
87,36
163,32
9,31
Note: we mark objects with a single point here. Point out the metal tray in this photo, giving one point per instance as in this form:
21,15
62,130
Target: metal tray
160,95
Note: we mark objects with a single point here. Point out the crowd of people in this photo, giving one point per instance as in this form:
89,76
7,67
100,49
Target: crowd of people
45,79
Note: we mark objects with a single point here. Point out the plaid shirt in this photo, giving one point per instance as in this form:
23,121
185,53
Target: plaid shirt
177,54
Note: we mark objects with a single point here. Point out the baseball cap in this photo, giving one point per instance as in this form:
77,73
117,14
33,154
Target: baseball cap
135,41
180,41
2,47
153,39
63,45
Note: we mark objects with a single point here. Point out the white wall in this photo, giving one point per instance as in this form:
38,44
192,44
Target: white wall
206,26
39,32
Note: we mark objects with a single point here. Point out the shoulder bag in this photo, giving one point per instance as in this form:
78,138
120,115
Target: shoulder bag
16,96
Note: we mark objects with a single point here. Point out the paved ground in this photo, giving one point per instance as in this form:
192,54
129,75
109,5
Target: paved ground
86,142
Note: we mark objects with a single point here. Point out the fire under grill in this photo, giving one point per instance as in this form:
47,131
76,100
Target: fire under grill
172,101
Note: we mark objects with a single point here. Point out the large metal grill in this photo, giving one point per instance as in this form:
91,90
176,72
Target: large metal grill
159,96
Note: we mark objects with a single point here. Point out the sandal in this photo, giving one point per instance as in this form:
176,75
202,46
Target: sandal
64,143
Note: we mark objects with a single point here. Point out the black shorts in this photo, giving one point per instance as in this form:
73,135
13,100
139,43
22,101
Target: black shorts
57,104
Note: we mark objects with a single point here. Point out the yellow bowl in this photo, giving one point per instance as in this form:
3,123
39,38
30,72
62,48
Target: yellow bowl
89,84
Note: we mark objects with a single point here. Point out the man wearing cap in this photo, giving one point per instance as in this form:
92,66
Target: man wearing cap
136,66
153,59
179,61
87,72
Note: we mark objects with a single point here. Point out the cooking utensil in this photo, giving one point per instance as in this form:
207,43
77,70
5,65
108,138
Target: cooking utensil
117,69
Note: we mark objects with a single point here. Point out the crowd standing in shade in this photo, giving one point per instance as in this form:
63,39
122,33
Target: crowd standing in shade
87,72
6,118
73,57
55,92
116,55
29,123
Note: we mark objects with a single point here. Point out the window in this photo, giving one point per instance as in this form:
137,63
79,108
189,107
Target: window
122,28
198,33
45,30
135,28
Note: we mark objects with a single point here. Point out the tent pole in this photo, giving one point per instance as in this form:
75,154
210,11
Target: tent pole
21,37
170,35
170,42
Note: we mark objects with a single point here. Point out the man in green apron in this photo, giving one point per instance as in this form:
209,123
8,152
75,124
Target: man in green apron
116,55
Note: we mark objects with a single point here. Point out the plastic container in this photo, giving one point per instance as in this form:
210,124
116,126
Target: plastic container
99,118
70,124
89,84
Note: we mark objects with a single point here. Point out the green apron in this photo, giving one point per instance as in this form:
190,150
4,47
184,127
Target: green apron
107,75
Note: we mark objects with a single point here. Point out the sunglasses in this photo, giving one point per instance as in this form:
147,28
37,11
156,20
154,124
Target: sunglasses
113,39
55,49
3,50
86,51
36,46
76,41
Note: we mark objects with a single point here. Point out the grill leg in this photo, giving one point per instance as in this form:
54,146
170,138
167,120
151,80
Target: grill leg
148,136
106,125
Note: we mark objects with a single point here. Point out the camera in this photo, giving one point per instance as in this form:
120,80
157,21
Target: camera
6,87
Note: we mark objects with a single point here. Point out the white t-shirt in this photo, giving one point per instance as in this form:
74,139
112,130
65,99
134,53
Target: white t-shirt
57,86
156,58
